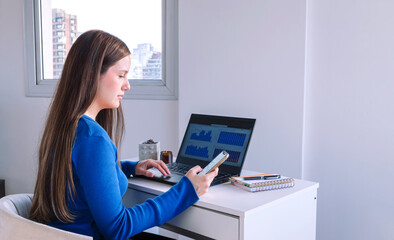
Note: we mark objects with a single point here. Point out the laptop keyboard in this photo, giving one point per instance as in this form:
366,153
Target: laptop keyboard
182,169
178,168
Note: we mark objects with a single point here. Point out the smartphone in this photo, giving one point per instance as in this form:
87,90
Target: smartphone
219,159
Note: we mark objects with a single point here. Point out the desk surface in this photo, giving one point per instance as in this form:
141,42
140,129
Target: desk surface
233,213
230,199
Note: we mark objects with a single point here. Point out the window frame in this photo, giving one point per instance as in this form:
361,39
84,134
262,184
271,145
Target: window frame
167,89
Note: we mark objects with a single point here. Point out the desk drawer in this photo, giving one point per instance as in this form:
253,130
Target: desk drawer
199,220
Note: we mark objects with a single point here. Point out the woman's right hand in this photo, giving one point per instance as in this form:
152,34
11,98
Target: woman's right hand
201,183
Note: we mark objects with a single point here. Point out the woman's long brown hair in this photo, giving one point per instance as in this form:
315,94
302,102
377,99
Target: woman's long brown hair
91,55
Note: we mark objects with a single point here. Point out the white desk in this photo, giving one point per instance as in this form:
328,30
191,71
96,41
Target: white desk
228,212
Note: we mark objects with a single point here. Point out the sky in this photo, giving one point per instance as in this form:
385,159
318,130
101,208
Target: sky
133,21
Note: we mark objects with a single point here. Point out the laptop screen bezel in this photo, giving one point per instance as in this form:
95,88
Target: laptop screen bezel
233,122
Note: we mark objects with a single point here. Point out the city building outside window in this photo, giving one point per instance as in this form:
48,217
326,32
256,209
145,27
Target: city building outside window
149,28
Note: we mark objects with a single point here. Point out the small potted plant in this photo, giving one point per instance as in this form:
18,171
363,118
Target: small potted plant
149,150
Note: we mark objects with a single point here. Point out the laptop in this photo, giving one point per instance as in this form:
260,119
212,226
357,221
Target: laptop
206,136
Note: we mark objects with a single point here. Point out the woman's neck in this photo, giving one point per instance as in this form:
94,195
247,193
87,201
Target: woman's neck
92,112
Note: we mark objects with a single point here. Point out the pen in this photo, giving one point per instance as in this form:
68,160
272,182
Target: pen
265,177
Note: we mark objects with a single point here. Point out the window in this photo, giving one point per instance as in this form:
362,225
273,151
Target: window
52,26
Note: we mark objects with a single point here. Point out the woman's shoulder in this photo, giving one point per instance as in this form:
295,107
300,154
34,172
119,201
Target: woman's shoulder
91,136
87,127
92,142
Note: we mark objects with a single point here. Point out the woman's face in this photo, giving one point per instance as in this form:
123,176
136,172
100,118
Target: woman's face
113,84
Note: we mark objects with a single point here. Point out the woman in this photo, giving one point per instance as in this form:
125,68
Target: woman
80,180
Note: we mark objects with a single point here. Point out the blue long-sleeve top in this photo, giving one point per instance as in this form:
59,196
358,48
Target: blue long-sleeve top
100,185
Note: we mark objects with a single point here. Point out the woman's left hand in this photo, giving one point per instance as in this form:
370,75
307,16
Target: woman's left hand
144,165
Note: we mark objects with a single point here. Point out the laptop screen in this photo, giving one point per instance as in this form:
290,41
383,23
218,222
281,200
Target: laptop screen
206,136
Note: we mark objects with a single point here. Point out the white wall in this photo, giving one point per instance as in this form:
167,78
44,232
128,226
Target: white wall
349,134
254,52
246,59
22,118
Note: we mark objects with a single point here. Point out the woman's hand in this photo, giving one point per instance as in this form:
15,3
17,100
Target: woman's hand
201,182
142,167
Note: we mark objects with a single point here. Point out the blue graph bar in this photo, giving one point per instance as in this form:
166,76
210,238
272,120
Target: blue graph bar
235,139
197,151
202,136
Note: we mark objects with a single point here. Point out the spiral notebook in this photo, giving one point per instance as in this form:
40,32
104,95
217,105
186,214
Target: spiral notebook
261,184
